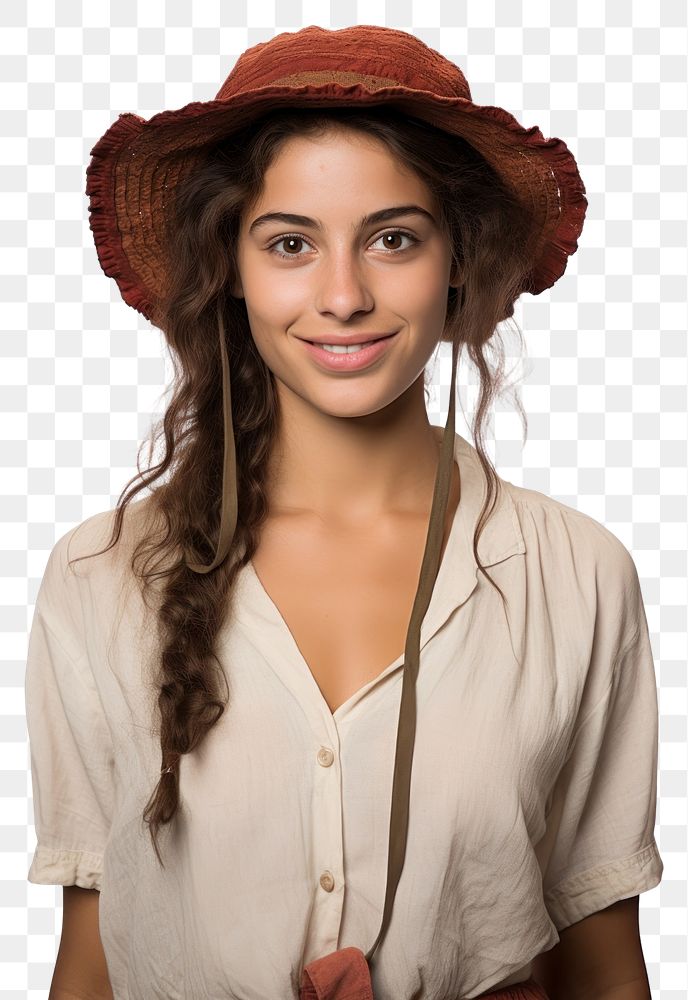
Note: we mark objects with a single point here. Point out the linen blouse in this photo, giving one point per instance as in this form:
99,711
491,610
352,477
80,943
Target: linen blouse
533,789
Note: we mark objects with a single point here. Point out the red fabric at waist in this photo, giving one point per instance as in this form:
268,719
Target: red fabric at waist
345,975
342,975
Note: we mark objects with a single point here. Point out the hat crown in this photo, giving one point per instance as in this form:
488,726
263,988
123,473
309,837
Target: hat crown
371,56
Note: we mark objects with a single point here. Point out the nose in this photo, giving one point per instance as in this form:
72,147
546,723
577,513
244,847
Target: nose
344,288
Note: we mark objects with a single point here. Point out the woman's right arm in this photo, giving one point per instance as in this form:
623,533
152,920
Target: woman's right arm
80,970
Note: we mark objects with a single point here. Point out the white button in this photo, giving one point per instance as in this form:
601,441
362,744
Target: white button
326,881
325,756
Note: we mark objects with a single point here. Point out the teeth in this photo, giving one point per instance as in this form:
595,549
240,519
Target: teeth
341,348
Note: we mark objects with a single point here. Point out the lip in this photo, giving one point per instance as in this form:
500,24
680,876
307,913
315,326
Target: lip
350,362
349,338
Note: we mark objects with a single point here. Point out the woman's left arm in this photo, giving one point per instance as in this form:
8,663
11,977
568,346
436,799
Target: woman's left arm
598,958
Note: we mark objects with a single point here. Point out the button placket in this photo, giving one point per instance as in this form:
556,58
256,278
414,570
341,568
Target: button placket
328,860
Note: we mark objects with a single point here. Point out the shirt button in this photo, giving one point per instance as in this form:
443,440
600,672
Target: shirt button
326,881
325,756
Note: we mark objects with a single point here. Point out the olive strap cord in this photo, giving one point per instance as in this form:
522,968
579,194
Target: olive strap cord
406,729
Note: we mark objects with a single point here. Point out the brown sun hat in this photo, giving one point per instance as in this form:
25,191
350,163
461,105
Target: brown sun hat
134,171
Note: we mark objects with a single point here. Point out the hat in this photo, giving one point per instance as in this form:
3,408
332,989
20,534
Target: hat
137,165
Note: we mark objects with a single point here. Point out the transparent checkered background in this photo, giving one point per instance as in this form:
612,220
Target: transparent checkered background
605,368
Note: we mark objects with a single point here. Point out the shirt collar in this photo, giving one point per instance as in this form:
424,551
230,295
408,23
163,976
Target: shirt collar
501,536
456,580
457,577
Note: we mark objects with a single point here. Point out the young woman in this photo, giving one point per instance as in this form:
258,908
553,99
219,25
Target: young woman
229,680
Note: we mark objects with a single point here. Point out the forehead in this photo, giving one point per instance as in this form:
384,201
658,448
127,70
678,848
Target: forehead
342,174
334,151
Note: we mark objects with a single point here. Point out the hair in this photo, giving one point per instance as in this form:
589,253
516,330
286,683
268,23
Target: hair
488,230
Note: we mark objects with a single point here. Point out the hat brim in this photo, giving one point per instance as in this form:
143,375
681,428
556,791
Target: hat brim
137,161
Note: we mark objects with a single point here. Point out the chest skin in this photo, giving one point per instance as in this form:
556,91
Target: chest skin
346,593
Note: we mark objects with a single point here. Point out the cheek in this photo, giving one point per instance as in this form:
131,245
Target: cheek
419,294
275,300
269,317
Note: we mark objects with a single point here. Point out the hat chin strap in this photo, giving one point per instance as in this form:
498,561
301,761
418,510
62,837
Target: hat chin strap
406,728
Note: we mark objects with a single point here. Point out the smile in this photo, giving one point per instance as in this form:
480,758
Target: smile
338,357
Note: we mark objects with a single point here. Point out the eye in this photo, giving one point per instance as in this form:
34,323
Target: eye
294,238
291,239
397,233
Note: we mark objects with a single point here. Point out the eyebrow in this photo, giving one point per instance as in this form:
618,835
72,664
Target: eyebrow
382,215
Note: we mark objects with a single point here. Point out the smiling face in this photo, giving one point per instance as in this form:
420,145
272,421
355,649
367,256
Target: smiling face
343,272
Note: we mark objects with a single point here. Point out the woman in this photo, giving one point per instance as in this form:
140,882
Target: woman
307,534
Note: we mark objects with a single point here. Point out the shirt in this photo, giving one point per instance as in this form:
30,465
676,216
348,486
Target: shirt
533,788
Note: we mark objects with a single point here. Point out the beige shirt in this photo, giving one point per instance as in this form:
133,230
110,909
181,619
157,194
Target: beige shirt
533,789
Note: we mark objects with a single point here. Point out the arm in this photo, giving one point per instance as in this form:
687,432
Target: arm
598,958
80,970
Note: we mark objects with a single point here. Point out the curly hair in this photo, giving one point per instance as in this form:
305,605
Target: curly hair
488,231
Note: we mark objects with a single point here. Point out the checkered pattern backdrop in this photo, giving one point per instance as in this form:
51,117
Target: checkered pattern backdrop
603,381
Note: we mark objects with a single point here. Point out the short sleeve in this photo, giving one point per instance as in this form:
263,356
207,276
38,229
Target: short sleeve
70,745
600,826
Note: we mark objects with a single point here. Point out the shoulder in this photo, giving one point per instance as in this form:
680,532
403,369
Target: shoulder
82,573
78,553
571,533
577,555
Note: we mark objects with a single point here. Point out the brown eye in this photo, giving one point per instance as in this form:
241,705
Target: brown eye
386,240
292,242
391,236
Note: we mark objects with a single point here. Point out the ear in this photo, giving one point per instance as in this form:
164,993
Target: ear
455,279
236,289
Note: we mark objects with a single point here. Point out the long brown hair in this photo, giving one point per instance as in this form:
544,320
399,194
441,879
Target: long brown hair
488,231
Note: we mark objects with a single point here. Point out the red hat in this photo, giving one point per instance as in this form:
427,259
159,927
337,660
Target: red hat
137,163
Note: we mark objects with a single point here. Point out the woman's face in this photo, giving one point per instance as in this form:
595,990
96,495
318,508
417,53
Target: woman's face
335,273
